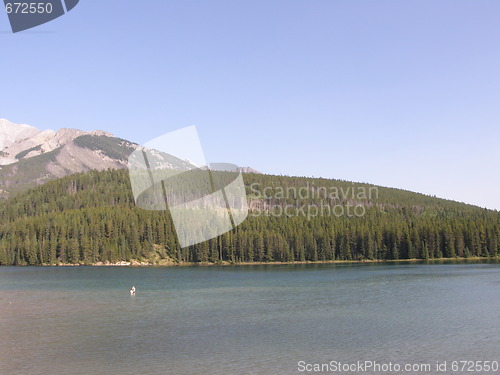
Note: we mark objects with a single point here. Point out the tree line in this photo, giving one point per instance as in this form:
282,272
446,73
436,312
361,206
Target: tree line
91,217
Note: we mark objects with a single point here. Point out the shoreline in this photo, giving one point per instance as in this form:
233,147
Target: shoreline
170,263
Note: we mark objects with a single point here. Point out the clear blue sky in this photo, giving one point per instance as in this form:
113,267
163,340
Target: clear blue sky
397,93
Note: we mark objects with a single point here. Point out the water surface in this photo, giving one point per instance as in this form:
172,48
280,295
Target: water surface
245,319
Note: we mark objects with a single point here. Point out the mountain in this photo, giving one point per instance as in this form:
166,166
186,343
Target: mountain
31,157
11,134
21,142
248,170
87,214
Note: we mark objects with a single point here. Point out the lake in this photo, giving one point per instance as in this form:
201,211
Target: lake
279,319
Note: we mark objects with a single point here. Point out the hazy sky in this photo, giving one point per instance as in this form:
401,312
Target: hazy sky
397,93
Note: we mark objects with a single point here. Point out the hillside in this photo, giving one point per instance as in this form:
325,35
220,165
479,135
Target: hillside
91,217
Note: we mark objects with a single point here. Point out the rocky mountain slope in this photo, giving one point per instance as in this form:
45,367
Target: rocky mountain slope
30,157
20,141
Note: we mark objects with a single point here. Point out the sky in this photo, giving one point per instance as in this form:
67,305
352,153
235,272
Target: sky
397,93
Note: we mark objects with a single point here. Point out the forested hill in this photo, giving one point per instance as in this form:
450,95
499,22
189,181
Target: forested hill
89,218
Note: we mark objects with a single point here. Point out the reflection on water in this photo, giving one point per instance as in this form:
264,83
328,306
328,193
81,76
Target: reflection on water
247,319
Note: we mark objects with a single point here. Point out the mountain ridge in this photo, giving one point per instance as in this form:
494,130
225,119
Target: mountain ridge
29,141
31,157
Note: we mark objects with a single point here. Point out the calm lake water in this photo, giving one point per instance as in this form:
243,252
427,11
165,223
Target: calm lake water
246,319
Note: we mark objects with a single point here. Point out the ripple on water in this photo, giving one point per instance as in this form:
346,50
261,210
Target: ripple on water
259,320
